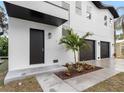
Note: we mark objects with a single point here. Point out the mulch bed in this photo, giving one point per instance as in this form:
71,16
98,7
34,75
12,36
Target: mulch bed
63,76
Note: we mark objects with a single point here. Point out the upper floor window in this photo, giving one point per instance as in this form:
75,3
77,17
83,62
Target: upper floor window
67,23
105,17
88,11
111,21
64,31
78,7
105,20
105,23
65,5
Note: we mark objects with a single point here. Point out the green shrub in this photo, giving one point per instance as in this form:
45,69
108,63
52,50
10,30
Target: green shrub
3,46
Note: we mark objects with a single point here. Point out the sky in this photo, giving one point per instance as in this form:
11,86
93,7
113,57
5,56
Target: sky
120,12
1,4
116,4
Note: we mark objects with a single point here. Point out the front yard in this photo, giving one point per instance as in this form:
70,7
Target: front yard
29,84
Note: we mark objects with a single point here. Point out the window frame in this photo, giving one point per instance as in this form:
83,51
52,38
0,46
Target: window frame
78,8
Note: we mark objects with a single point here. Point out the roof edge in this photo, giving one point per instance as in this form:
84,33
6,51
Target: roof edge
112,10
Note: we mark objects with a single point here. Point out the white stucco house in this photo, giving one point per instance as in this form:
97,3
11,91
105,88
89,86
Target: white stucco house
36,27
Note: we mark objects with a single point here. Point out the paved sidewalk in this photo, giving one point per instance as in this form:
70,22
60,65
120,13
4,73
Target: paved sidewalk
50,82
85,81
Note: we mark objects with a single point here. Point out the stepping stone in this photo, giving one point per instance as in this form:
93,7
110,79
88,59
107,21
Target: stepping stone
49,82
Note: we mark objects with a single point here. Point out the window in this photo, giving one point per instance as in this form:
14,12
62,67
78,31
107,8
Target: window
88,11
110,20
65,5
105,17
105,20
78,7
64,31
66,24
105,23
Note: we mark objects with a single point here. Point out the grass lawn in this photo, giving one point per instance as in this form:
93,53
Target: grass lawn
29,84
3,71
113,84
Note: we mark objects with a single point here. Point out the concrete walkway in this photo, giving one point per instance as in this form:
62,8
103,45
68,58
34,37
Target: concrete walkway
20,74
50,82
83,82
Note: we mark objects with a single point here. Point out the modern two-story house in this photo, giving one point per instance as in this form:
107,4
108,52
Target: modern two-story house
36,27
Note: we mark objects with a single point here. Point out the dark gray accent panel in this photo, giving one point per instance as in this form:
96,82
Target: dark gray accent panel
31,15
88,53
105,49
36,46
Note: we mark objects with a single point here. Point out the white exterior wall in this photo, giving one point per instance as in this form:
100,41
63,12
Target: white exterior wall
19,37
81,25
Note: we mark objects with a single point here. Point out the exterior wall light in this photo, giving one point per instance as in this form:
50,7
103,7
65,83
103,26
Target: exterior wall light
111,21
88,11
49,35
88,15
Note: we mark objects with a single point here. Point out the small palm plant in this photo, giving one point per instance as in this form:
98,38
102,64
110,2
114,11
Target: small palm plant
73,42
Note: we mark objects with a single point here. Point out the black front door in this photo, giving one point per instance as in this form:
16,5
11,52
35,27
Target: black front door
104,49
36,46
89,52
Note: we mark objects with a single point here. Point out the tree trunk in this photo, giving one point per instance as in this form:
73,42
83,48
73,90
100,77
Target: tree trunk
78,55
74,56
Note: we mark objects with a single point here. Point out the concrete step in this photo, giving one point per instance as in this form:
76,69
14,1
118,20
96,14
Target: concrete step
21,74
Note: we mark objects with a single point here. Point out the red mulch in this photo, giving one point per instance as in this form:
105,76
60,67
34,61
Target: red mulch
63,76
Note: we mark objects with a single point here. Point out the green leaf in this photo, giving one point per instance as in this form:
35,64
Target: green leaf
72,41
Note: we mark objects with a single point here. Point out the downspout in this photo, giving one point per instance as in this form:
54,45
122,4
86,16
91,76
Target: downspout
114,40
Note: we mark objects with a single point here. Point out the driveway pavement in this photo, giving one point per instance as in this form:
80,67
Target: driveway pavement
50,82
